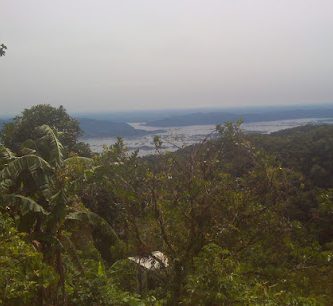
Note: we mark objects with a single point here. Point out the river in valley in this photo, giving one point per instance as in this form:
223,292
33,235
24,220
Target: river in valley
174,138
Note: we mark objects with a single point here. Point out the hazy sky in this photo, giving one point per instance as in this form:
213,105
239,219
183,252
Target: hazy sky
133,54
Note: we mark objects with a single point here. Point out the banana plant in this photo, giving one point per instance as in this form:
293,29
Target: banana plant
35,194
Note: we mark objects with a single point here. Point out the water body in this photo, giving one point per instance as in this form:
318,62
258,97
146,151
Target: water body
174,138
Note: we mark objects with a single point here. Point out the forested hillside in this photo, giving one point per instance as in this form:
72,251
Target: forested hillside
259,116
103,128
308,149
235,220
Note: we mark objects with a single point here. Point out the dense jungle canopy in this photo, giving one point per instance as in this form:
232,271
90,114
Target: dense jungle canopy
240,219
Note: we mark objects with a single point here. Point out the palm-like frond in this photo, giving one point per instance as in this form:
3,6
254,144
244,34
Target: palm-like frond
27,146
50,143
5,184
58,213
27,151
32,163
95,221
71,250
27,205
6,155
35,165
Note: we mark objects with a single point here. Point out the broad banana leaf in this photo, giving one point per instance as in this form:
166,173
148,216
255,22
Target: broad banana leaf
50,143
6,155
26,204
37,166
95,221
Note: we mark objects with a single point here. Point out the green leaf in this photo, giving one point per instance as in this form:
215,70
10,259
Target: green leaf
37,166
95,221
49,140
79,159
6,155
27,204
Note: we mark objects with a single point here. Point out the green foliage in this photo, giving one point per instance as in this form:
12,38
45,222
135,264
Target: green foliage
308,149
95,221
22,128
27,205
125,275
49,146
99,287
22,270
36,193
223,192
215,279
31,165
235,225
218,279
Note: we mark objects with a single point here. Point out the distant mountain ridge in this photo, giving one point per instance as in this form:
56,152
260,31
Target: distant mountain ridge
2,122
220,117
93,128
96,127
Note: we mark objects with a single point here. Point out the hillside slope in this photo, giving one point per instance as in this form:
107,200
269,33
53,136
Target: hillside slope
221,117
101,128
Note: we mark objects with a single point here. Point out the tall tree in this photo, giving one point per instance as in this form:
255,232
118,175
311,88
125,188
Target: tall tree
23,127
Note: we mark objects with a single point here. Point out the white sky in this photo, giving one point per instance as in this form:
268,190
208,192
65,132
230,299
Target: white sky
96,55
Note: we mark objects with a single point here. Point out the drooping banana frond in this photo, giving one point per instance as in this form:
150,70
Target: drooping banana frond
32,163
72,251
27,151
6,155
28,147
26,204
30,144
51,147
35,165
58,213
5,184
95,221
